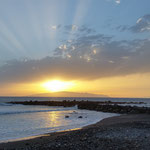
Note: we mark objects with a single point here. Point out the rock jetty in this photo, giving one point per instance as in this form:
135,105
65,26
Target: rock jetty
106,106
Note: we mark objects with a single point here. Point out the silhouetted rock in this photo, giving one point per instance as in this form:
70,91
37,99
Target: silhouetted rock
80,117
66,116
106,106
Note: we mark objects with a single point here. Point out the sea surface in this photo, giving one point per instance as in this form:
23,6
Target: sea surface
22,121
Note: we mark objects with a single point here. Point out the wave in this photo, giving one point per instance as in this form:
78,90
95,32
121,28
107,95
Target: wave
5,104
32,111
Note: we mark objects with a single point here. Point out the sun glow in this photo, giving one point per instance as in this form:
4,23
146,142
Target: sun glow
57,85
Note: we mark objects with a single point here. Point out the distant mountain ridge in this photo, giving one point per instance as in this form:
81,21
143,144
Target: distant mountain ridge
67,94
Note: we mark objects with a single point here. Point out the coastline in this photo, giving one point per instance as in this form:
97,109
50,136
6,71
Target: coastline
104,132
38,136
57,131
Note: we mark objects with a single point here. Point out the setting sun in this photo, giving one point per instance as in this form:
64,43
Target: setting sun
57,85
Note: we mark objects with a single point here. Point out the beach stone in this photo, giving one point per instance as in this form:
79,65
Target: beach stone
66,116
80,117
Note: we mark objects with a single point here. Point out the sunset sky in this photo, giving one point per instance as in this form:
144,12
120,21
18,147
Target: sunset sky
86,46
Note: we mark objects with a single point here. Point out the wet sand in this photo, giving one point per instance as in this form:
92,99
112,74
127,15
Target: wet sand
123,132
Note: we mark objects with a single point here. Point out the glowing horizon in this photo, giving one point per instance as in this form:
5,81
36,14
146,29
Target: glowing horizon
57,85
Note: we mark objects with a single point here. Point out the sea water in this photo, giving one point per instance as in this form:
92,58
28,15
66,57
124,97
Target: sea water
22,121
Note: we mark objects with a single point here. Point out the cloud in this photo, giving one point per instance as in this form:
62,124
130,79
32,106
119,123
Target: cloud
122,28
78,30
55,27
142,24
84,58
74,29
117,1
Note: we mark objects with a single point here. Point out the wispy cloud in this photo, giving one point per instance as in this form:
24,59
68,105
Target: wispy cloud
122,28
72,29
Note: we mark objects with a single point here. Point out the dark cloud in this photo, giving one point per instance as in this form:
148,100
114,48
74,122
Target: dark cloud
82,44
142,24
88,57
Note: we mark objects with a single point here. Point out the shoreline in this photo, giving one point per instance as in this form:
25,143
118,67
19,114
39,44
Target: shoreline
38,136
48,133
59,140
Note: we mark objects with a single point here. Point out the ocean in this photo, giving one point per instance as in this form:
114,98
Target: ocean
22,121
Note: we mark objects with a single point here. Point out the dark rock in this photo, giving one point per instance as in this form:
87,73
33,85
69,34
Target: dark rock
66,116
80,117
106,106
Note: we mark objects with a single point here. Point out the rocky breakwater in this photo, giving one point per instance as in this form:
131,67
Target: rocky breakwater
105,106
114,108
46,103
